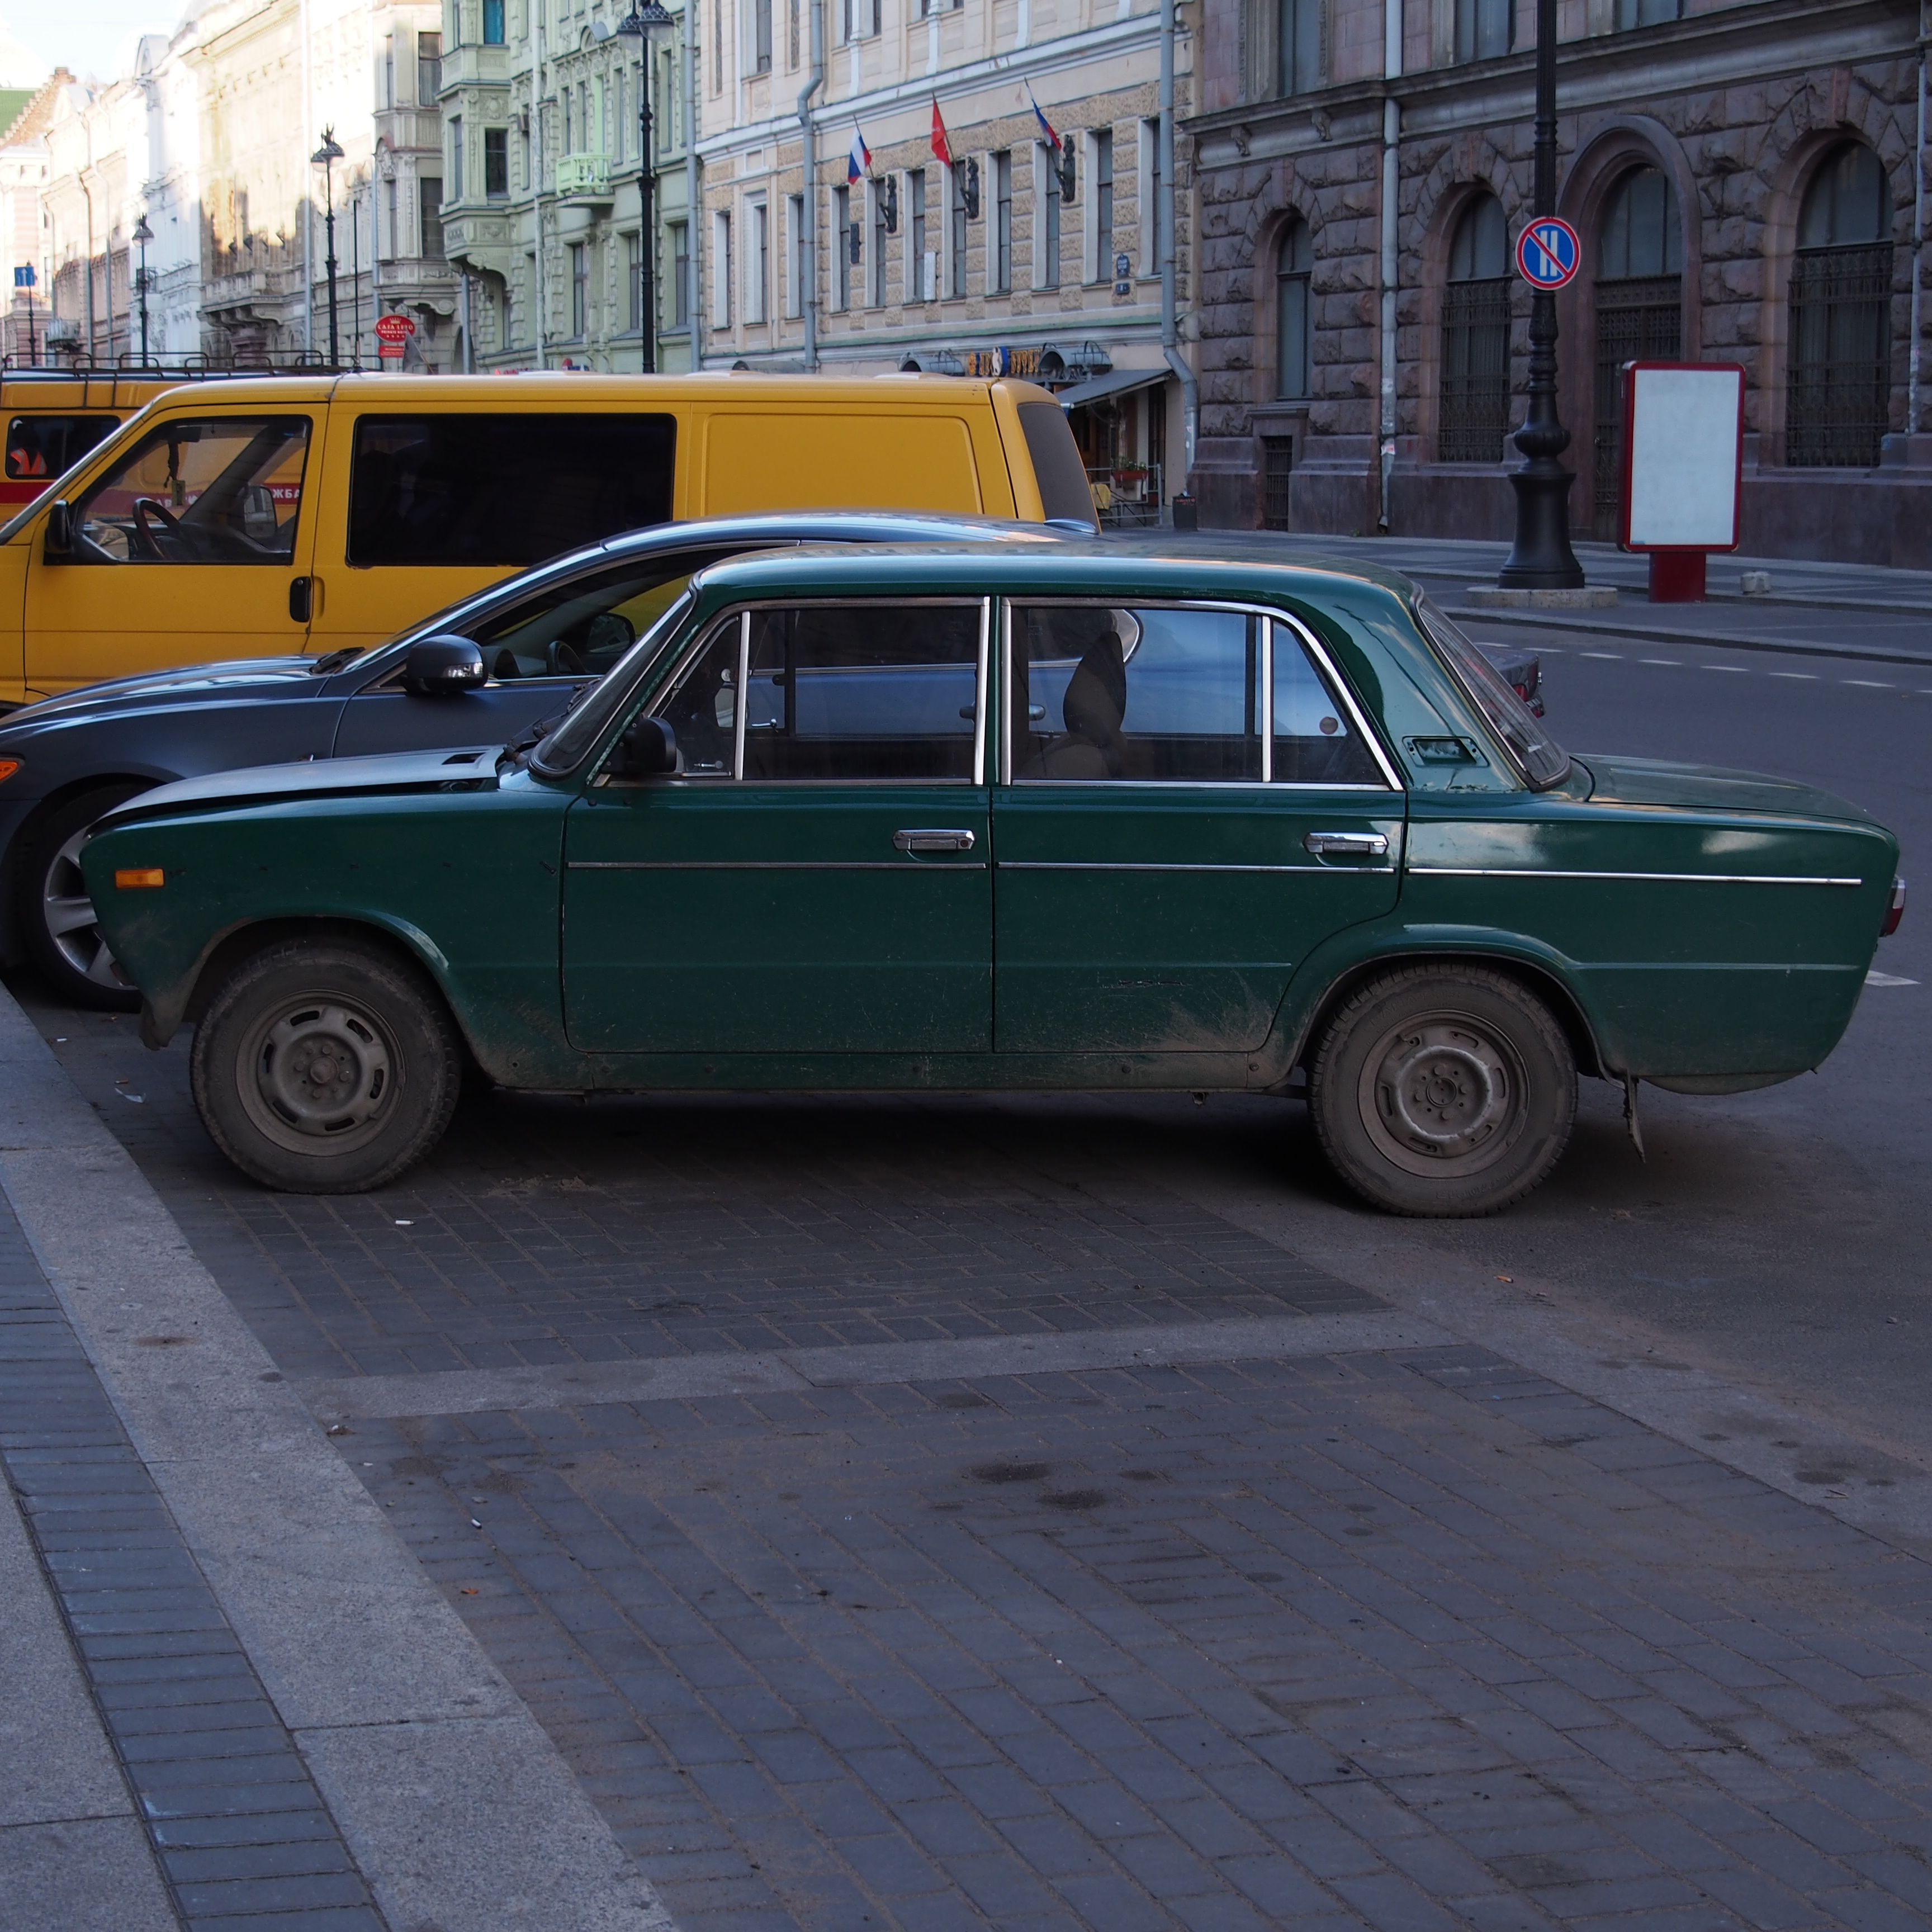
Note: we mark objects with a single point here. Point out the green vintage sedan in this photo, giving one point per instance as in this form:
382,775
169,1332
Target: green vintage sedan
969,817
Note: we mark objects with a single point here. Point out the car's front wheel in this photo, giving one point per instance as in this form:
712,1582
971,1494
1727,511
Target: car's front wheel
57,916
1443,1090
325,1067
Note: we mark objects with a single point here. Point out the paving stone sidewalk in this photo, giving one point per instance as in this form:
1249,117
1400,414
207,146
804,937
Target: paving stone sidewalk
235,1830
1408,1640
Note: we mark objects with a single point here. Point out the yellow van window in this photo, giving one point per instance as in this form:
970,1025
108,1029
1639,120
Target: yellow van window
493,491
1057,467
39,448
859,460
208,490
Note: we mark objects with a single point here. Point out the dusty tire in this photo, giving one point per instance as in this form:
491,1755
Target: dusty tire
1443,1090
325,1068
56,916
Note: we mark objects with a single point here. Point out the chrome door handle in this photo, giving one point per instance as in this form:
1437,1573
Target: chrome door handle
1347,845
933,838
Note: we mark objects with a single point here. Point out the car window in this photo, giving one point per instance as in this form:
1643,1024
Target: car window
580,629
835,691
1064,492
562,750
1315,741
1145,694
1538,757
492,491
41,447
212,490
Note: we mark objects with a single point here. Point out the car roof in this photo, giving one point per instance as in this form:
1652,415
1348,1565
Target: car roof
1192,566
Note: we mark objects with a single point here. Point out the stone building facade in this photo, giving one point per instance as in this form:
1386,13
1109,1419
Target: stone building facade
543,214
1015,257
1744,176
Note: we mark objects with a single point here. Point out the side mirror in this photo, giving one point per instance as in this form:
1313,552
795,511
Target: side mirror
60,527
441,666
648,749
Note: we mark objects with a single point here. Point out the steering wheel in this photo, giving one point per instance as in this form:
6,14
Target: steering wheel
170,523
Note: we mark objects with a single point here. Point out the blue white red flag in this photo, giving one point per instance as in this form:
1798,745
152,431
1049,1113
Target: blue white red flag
1046,127
859,162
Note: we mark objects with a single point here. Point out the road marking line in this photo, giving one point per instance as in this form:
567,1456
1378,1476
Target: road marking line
859,1365
1870,683
1743,670
1677,662
1810,676
1875,978
1618,655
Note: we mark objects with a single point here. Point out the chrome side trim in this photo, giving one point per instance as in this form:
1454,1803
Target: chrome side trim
1667,878
982,689
1103,866
908,865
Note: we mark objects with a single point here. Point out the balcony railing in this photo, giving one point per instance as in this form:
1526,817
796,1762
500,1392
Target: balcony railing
587,177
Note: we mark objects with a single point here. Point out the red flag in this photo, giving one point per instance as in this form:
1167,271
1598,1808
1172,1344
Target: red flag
942,148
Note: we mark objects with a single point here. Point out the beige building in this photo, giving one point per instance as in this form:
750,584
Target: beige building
23,176
1021,256
211,136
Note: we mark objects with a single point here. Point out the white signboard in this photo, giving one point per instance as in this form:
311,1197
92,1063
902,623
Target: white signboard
1683,455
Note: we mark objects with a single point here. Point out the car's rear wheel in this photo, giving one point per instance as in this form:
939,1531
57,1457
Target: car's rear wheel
1443,1090
57,915
325,1067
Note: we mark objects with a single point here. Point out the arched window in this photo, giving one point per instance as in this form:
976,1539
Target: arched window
1639,298
1840,396
1294,359
1475,337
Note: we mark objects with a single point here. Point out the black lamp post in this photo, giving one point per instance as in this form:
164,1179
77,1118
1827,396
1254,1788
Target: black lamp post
142,236
645,24
1541,559
325,157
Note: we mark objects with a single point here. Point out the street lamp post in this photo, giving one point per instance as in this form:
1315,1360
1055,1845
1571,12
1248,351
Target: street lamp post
325,157
142,236
645,24
1541,558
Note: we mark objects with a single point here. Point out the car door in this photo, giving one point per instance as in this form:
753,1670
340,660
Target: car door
814,879
1164,860
194,546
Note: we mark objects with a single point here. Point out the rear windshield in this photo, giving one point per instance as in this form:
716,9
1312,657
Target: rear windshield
498,491
41,447
1537,756
1062,477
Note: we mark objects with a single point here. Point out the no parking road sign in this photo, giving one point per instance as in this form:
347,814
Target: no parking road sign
1548,254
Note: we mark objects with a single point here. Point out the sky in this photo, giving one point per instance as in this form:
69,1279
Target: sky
88,37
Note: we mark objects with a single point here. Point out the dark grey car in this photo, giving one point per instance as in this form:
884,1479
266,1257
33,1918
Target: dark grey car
540,637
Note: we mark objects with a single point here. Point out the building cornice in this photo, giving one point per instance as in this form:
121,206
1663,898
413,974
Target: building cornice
1733,44
1044,57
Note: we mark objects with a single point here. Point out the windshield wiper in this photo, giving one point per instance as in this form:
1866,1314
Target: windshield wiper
326,667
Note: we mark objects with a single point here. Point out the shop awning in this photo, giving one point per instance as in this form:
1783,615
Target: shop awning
1119,383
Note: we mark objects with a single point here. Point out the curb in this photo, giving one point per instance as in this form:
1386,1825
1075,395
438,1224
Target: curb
458,1807
1544,620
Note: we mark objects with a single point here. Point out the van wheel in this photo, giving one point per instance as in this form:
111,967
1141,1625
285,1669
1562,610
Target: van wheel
1443,1090
57,916
325,1068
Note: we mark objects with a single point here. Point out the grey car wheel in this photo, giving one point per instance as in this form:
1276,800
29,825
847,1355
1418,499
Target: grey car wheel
57,918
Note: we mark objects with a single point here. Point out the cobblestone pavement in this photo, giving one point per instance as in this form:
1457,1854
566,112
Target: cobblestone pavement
1405,1639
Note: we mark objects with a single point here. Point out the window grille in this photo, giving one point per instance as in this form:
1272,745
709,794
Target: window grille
1475,370
1840,390
1277,466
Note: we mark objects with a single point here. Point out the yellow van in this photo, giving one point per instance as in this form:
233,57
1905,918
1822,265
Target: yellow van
293,513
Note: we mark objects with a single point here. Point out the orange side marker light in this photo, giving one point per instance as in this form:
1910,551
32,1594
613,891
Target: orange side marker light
131,877
8,766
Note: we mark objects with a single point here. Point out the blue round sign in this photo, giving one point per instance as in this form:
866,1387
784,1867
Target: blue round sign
1548,254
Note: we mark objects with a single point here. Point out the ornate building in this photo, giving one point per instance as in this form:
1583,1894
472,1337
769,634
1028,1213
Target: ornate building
1744,176
542,211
